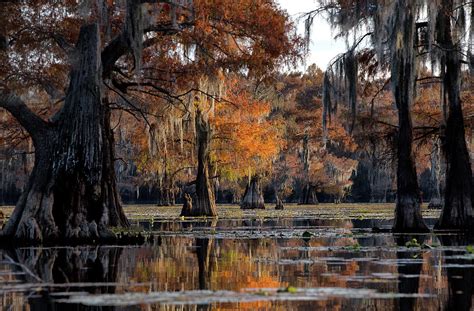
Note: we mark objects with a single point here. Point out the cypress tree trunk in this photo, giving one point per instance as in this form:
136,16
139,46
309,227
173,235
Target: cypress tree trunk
278,203
72,194
308,196
167,196
205,204
407,213
457,212
253,197
436,180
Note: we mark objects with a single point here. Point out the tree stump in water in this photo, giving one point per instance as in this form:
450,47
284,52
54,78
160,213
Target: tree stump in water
309,197
253,198
279,204
187,206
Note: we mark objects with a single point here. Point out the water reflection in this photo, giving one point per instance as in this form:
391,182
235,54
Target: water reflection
460,273
409,269
41,275
340,265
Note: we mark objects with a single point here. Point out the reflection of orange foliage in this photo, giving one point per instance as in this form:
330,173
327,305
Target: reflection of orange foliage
264,282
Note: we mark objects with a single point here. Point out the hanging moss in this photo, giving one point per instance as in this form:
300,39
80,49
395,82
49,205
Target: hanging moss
135,24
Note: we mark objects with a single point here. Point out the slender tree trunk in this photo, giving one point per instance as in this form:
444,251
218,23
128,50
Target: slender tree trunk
204,204
253,197
72,194
408,211
457,212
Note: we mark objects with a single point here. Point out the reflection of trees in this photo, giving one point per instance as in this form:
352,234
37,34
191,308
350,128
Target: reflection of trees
67,265
203,253
460,279
408,285
204,250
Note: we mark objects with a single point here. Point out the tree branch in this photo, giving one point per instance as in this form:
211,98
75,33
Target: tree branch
32,123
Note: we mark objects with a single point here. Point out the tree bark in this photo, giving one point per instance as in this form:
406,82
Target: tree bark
308,196
436,178
457,212
278,203
72,194
166,195
253,198
408,216
205,204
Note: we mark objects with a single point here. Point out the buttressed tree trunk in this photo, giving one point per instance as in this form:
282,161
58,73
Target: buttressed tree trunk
253,197
408,216
457,212
204,204
71,194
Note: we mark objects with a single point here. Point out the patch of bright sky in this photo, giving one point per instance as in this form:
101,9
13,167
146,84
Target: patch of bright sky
323,47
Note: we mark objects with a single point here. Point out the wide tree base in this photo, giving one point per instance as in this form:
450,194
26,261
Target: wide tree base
253,197
408,218
71,196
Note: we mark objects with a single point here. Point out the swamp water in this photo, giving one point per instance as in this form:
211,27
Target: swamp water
301,258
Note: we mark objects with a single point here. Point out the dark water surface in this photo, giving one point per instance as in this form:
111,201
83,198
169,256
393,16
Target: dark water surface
307,259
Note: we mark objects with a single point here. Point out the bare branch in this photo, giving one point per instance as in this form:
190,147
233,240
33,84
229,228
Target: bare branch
29,120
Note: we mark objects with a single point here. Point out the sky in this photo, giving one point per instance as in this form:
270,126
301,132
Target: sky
323,47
